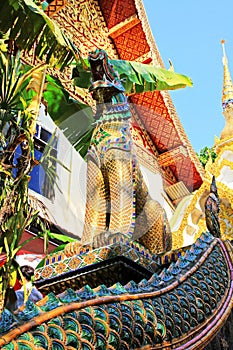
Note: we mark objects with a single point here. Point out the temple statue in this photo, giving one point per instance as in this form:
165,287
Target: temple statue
212,208
121,295
118,203
112,292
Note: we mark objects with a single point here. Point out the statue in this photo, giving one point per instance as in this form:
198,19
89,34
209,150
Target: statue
212,208
118,203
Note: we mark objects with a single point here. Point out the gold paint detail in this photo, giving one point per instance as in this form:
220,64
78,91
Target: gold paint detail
181,132
83,22
123,26
194,214
169,157
118,203
178,190
177,239
156,58
147,159
227,131
227,92
55,6
144,58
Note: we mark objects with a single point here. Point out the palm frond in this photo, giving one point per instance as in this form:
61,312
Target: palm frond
28,24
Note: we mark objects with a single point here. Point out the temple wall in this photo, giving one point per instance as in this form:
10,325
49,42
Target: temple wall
67,209
154,182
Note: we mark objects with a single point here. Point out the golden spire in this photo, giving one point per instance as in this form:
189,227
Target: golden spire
227,92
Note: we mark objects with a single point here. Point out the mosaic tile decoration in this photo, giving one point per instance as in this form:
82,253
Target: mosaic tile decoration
182,307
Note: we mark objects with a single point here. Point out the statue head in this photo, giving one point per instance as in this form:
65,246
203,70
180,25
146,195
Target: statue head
105,80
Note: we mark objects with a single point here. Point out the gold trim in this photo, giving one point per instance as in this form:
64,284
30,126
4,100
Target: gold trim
181,132
143,129
225,194
147,56
168,158
227,91
177,191
177,239
156,58
124,25
55,6
223,144
192,205
147,159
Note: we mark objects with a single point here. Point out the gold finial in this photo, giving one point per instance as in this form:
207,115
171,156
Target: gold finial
227,92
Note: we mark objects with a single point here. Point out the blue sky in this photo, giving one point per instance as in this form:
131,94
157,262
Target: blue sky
189,33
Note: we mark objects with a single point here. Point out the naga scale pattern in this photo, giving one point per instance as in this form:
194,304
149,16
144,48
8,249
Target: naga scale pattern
183,307
118,202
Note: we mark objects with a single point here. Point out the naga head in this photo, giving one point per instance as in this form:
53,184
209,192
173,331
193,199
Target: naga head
105,80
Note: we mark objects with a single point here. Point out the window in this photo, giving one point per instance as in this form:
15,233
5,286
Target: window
40,181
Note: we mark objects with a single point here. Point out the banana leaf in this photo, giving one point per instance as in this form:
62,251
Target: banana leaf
60,237
61,106
27,24
136,77
74,118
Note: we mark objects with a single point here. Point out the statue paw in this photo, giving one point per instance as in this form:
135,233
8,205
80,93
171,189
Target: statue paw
108,237
75,248
101,239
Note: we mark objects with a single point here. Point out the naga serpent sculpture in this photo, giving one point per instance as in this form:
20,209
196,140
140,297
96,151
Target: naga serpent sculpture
118,203
181,307
212,209
120,296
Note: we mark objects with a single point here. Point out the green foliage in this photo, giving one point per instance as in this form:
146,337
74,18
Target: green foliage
22,23
60,237
136,77
205,154
74,118
17,122
27,23
16,133
48,161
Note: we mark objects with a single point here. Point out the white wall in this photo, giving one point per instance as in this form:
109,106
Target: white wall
154,183
68,208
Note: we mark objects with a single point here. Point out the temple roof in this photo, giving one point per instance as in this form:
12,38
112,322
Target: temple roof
122,29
